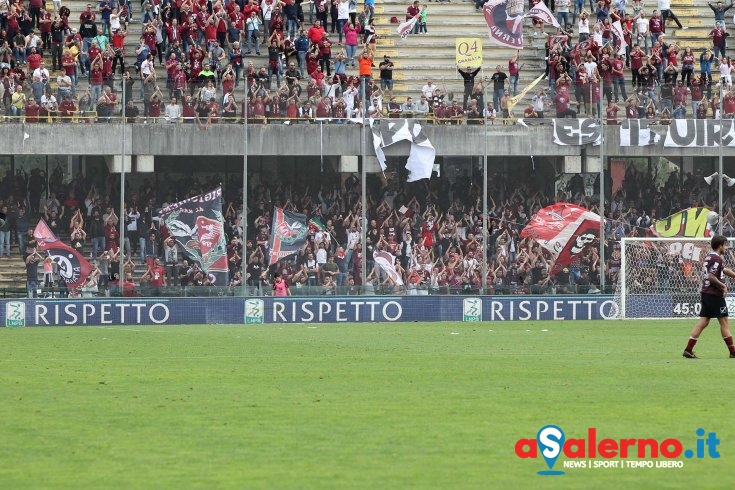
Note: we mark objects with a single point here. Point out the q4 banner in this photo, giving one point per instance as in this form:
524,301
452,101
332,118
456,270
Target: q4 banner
317,309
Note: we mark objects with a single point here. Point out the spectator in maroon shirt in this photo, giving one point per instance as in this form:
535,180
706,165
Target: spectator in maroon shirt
719,39
655,26
325,53
411,12
562,105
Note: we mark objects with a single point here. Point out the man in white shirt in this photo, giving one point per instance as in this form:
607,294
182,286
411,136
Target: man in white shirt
641,27
42,73
33,41
428,89
63,82
172,113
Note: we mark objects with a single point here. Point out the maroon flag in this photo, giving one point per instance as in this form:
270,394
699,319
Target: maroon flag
563,229
73,267
505,22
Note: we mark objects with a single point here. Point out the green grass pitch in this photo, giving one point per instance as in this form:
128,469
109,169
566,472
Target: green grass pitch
418,405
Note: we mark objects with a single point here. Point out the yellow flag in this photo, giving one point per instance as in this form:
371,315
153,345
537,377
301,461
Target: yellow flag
515,99
468,52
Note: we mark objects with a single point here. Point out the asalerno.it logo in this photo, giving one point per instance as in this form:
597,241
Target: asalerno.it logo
587,452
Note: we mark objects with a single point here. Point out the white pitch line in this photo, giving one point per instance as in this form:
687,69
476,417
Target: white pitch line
87,359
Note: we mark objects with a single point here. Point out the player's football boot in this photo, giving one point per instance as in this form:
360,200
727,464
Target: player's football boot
690,355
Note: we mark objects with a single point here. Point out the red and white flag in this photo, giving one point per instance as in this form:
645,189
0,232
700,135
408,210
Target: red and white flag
43,233
386,261
541,12
617,29
565,230
73,267
405,28
504,20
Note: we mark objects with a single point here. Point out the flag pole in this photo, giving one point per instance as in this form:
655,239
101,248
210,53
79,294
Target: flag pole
720,167
485,220
363,198
121,218
602,197
244,222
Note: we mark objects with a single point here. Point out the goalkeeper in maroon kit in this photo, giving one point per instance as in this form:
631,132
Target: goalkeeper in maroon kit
713,295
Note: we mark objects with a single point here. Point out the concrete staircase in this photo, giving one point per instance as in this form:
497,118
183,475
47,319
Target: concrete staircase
420,57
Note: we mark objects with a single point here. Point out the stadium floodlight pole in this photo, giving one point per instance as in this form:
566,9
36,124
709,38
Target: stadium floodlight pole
244,222
121,218
602,197
363,182
485,227
720,166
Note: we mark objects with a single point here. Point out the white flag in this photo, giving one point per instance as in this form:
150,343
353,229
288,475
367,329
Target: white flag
541,12
421,158
618,31
405,28
386,261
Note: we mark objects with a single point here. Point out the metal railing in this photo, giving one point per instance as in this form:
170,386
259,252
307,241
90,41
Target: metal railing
299,291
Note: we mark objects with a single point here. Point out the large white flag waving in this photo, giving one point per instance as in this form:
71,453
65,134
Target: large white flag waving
405,28
421,157
541,12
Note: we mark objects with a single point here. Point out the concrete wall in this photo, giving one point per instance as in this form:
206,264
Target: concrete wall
302,139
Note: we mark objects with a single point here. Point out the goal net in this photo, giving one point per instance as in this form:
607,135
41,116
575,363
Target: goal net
661,277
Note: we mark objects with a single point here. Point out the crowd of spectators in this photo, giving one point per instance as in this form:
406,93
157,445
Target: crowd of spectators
201,48
300,61
434,229
652,77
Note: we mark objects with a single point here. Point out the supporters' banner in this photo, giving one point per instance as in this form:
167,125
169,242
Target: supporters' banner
420,162
517,98
563,229
73,267
405,28
577,132
386,261
468,51
580,48
690,223
700,132
197,225
635,132
618,31
288,234
541,12
504,20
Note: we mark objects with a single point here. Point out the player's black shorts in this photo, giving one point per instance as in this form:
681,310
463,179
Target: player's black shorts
713,306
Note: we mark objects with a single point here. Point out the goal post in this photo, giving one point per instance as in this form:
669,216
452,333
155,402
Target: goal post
661,277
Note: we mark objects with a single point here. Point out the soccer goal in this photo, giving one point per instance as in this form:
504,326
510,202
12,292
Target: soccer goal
661,277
